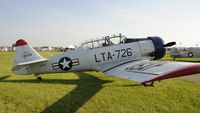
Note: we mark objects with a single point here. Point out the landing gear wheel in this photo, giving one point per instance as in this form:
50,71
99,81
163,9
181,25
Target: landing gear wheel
190,54
39,78
148,84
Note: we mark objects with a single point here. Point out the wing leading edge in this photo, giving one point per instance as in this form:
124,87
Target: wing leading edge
149,71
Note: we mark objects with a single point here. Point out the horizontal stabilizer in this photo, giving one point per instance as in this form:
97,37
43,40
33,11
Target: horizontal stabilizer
21,65
32,62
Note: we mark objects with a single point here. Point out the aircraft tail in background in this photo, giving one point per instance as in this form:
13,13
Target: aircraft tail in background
174,52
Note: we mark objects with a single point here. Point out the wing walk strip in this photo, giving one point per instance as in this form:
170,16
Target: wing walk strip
118,65
144,73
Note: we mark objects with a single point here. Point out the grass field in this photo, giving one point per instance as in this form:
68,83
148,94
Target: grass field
92,92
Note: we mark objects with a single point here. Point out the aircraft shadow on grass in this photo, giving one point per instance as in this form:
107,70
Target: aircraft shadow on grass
4,77
87,87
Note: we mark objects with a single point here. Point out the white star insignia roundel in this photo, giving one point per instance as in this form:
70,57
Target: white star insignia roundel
65,63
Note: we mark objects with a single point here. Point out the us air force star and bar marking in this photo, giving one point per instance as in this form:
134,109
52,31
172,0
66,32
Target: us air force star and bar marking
65,63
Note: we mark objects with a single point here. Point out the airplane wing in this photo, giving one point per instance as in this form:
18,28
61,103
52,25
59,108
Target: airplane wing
149,71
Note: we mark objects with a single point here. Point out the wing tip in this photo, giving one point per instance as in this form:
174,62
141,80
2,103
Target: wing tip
183,71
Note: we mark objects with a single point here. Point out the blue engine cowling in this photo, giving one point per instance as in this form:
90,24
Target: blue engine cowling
160,50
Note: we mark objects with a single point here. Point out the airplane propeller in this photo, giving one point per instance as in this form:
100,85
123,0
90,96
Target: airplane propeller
169,44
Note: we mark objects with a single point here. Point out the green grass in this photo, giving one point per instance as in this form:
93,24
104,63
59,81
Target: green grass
92,92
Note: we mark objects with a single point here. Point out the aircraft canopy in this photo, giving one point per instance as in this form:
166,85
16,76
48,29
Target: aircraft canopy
104,41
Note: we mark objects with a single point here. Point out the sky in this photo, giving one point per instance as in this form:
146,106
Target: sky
64,22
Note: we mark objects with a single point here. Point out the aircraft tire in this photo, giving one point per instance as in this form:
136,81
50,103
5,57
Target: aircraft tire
148,84
190,54
39,78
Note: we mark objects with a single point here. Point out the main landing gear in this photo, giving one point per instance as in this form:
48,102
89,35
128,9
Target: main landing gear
148,84
38,77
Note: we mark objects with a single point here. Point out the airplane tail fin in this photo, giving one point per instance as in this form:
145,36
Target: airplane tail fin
174,52
25,55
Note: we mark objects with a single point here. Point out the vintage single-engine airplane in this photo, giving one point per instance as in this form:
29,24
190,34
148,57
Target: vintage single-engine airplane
185,52
131,58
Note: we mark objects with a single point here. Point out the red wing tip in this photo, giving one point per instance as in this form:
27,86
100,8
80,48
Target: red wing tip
21,42
183,71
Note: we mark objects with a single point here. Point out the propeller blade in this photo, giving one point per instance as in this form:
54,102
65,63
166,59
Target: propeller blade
169,44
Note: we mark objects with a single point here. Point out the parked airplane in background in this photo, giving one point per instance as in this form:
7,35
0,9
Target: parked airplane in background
131,58
185,52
